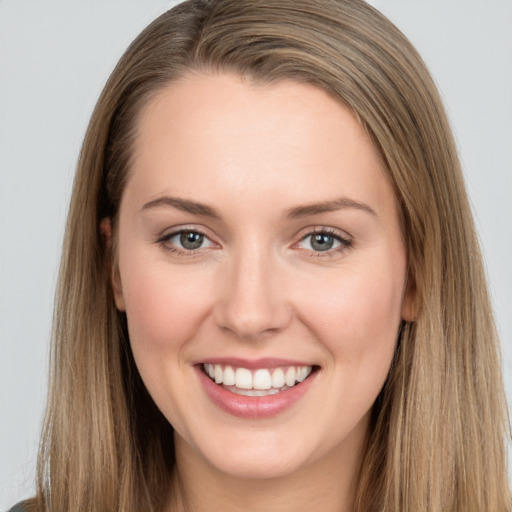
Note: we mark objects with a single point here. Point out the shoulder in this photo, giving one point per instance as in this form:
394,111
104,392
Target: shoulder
17,508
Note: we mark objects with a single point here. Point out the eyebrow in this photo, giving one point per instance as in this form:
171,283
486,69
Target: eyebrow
184,205
328,206
297,212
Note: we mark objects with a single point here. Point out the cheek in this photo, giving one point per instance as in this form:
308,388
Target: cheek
164,309
359,317
164,306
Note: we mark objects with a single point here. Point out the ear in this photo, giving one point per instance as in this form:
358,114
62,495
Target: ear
409,305
115,276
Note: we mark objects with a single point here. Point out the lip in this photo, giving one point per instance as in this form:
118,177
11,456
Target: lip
253,364
253,407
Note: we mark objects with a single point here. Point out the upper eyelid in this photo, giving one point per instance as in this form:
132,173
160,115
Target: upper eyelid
170,232
335,232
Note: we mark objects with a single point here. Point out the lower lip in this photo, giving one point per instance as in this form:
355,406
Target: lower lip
254,407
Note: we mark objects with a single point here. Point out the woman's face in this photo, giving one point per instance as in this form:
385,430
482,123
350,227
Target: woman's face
259,242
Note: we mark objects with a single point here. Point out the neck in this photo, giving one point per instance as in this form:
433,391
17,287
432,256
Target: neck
326,484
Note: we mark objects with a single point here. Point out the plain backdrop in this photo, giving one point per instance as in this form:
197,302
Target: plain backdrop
54,59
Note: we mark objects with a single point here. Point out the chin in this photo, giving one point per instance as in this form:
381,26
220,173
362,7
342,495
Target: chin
263,468
257,455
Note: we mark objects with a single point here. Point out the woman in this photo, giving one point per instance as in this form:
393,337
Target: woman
271,294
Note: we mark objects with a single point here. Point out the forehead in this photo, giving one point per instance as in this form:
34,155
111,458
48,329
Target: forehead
221,137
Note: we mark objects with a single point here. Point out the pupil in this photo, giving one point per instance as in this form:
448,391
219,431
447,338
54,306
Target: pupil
322,242
191,240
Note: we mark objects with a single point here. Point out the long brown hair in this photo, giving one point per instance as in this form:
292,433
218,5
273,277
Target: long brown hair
438,428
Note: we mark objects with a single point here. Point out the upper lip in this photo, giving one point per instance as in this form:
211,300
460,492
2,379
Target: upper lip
250,364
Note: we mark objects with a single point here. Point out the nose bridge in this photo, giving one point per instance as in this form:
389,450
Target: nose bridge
253,302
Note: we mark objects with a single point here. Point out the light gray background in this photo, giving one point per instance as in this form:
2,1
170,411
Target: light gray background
54,58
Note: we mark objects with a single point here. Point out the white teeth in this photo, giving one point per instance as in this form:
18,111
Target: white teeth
302,373
290,376
262,380
250,383
254,392
243,378
229,376
278,378
219,374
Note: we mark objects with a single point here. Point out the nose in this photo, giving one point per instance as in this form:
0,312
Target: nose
252,300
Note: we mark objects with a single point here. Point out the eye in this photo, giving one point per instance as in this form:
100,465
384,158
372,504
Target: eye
324,241
190,240
185,241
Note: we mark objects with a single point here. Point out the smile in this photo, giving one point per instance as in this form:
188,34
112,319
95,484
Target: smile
255,389
256,382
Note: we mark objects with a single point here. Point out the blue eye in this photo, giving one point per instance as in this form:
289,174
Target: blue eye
185,241
191,240
324,241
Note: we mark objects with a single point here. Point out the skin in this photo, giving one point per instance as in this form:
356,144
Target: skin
257,287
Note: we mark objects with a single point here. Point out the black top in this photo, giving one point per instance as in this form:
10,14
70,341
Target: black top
17,508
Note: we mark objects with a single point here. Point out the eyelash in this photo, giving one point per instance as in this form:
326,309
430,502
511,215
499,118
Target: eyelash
344,241
164,240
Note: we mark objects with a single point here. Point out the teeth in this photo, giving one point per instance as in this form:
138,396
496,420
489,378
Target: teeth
278,378
303,372
229,376
290,376
219,375
254,392
243,378
261,382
